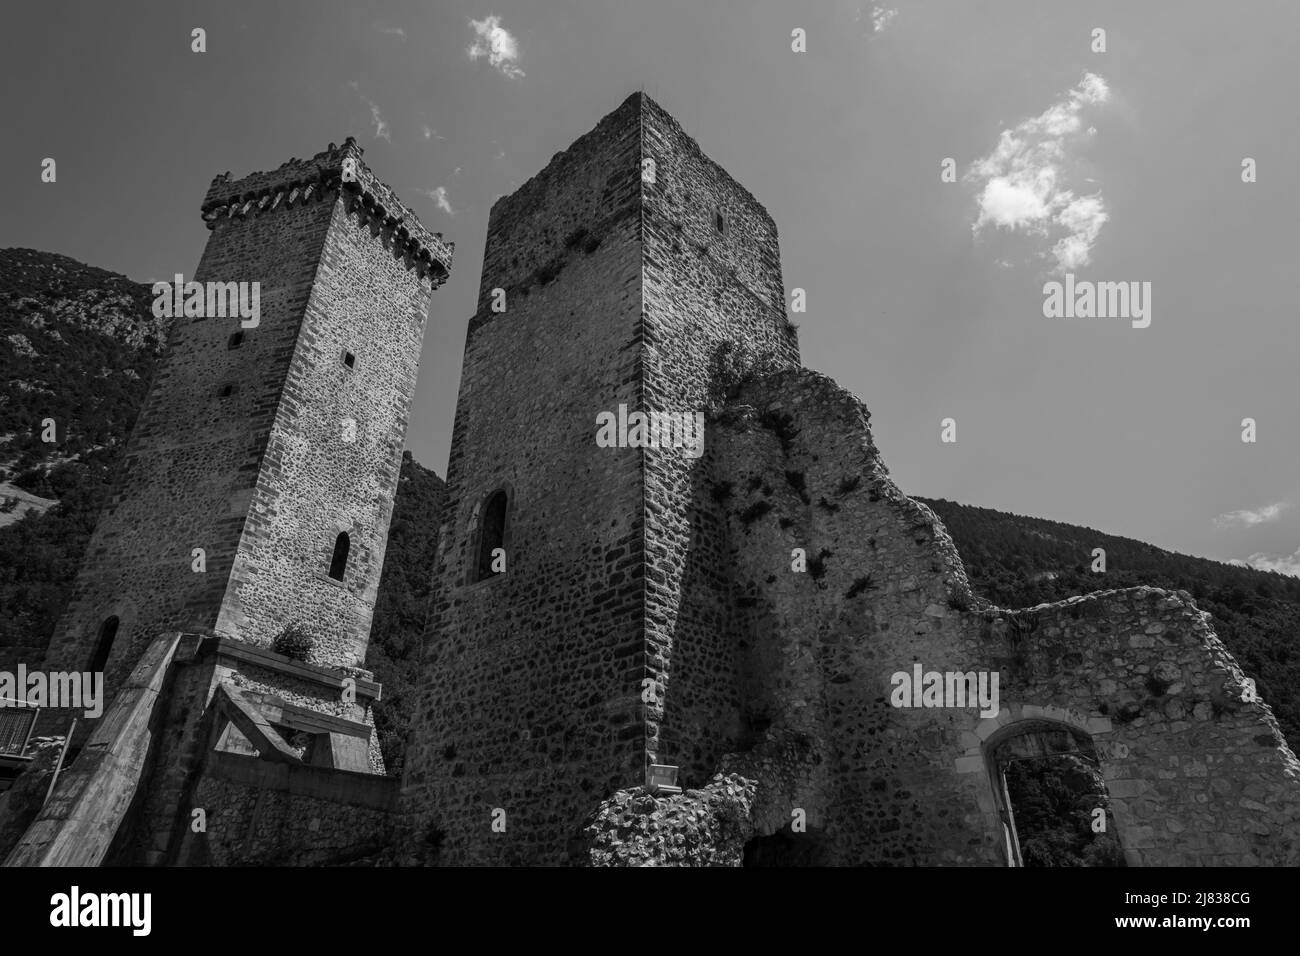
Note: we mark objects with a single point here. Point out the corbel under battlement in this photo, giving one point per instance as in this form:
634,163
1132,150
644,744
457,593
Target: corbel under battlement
336,169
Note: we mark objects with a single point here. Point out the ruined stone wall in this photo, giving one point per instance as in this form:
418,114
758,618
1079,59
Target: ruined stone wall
530,694
1195,775
705,827
704,283
1195,765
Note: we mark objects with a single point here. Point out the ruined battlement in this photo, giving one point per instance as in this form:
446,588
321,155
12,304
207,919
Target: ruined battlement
338,168
637,164
585,194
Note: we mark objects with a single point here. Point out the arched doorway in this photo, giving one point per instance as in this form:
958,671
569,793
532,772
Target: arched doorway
1051,797
491,533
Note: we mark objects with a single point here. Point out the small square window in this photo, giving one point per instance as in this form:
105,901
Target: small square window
235,341
349,360
226,390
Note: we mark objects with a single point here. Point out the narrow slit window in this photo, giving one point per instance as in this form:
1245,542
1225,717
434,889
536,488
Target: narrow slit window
719,222
104,644
339,562
492,533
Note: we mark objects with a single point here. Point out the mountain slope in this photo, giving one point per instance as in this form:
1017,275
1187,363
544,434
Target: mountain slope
78,346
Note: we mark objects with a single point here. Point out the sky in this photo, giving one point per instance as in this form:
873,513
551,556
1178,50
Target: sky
1112,159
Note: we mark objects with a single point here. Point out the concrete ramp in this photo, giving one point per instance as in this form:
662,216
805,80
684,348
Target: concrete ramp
78,824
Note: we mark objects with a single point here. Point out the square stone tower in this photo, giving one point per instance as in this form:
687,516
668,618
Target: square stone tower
259,479
609,280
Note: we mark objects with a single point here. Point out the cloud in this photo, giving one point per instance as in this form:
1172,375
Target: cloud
494,41
393,31
428,132
880,17
381,127
1283,564
439,196
1023,182
1248,519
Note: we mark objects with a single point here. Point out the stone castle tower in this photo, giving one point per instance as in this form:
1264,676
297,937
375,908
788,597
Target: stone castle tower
274,449
623,264
269,447
599,610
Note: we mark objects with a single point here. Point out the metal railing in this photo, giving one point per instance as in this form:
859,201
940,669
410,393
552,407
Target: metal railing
17,722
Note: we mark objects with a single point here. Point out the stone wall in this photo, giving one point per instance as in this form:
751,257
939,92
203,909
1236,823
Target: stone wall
702,286
1195,765
706,827
1195,774
273,814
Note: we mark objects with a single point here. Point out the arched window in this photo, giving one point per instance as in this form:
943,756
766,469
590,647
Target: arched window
339,562
104,644
492,533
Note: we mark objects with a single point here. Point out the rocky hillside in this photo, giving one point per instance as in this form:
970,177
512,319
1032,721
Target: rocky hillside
77,348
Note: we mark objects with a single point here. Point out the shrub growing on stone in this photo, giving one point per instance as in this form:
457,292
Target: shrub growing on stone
730,366
294,642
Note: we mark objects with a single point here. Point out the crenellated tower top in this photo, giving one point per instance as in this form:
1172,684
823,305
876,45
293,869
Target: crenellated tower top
337,168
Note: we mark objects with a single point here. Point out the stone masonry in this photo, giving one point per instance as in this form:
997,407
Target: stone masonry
651,612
